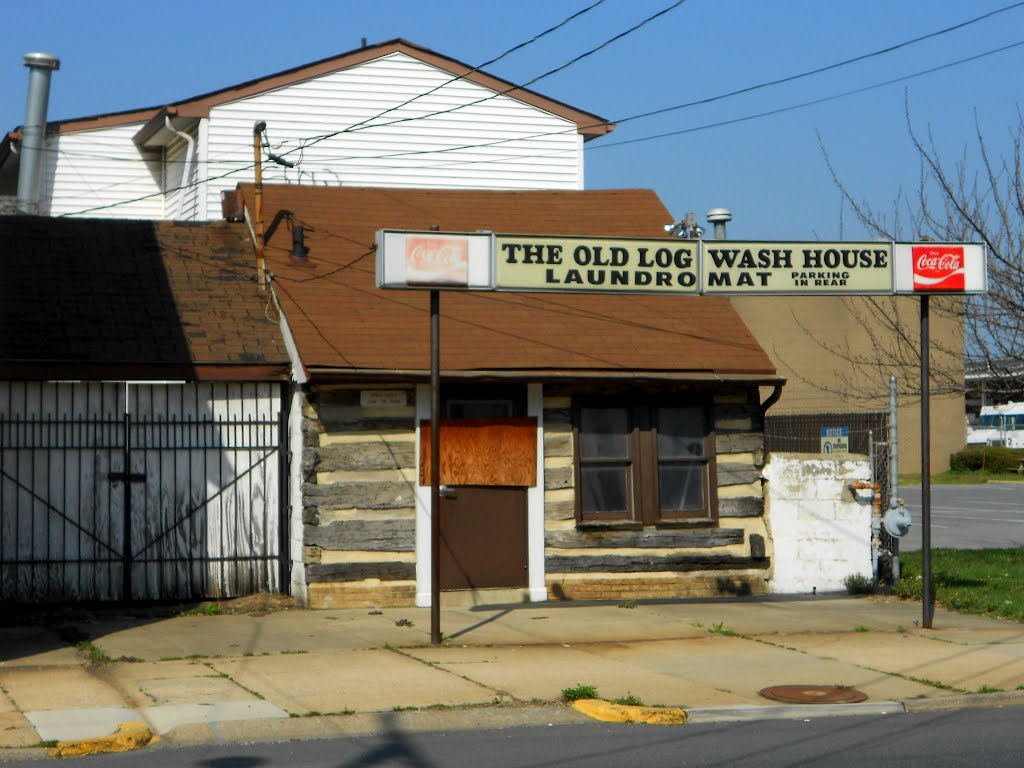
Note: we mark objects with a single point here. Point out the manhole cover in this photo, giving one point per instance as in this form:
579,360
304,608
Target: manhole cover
813,694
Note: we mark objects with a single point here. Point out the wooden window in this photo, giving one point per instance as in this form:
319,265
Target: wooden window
643,463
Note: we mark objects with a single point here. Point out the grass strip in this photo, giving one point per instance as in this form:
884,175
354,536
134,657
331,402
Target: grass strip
988,582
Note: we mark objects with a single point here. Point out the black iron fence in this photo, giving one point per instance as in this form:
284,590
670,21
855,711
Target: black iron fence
114,492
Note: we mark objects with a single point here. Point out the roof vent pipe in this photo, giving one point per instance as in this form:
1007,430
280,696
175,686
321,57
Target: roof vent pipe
33,132
719,217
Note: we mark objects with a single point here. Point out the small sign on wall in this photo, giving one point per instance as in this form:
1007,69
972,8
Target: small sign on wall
383,398
835,439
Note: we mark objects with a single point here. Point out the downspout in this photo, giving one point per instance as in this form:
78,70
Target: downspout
773,398
190,155
33,133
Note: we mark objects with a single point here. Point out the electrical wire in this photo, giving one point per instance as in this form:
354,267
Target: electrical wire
813,102
819,70
316,328
479,67
617,121
316,139
512,88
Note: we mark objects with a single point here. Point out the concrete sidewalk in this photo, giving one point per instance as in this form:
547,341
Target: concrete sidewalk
304,674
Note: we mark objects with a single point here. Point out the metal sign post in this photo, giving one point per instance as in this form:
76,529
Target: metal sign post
435,467
927,598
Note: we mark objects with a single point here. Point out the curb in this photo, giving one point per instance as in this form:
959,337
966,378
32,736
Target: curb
745,712
609,712
967,701
129,736
369,724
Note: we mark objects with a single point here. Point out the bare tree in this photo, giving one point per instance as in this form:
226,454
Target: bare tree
966,200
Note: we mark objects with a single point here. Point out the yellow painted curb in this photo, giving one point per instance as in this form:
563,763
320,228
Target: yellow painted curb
599,709
129,736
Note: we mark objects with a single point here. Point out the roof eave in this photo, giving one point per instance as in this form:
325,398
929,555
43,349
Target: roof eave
588,124
155,132
325,374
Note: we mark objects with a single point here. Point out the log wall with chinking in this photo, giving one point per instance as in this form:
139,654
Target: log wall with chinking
699,559
359,507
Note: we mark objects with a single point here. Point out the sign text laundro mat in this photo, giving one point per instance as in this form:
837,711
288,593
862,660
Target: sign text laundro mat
485,261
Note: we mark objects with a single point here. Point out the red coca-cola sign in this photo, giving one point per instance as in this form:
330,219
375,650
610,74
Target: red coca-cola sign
939,268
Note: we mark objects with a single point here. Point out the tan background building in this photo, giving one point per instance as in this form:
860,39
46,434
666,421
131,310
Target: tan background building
837,354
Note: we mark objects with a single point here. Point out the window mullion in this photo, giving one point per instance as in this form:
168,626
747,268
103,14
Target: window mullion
647,465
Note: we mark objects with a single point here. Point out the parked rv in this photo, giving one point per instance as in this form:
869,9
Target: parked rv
999,425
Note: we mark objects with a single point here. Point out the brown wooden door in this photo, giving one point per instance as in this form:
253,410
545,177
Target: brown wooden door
483,538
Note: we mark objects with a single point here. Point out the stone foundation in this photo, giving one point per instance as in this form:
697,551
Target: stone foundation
650,586
362,594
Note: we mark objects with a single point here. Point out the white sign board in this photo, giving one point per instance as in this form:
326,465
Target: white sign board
940,268
383,398
434,260
573,264
835,439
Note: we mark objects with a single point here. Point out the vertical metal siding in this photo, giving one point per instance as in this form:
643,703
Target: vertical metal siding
204,492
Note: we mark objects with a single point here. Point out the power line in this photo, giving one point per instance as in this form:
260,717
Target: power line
813,102
819,70
316,328
566,65
317,139
314,140
479,67
699,102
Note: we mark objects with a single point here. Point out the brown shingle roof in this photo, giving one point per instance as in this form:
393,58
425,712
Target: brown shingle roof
342,324
94,298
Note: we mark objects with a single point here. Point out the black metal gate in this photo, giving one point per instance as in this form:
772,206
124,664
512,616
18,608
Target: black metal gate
147,491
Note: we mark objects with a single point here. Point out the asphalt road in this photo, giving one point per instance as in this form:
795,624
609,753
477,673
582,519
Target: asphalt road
968,516
991,738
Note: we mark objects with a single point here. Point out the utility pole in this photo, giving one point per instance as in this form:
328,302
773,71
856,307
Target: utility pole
257,150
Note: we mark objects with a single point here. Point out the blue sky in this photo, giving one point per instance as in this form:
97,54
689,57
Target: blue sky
770,171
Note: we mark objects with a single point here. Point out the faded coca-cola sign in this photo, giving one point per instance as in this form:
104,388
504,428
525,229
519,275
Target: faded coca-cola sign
437,261
939,268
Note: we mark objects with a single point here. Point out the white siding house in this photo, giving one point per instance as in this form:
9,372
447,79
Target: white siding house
90,169
391,115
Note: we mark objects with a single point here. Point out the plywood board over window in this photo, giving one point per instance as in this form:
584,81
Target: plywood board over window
494,452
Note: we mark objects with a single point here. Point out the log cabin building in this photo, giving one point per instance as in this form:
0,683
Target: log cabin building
593,446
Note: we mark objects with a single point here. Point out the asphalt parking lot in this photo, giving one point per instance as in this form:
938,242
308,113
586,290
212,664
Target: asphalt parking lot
968,516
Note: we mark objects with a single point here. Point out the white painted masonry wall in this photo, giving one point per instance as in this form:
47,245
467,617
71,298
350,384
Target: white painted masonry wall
821,530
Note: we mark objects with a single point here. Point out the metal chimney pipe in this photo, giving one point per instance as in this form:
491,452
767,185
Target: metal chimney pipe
33,132
719,217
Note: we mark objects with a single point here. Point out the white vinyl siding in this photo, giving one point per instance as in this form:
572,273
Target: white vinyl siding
181,200
498,143
89,169
536,150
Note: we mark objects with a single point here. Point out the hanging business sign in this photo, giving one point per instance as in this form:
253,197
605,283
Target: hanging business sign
500,262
